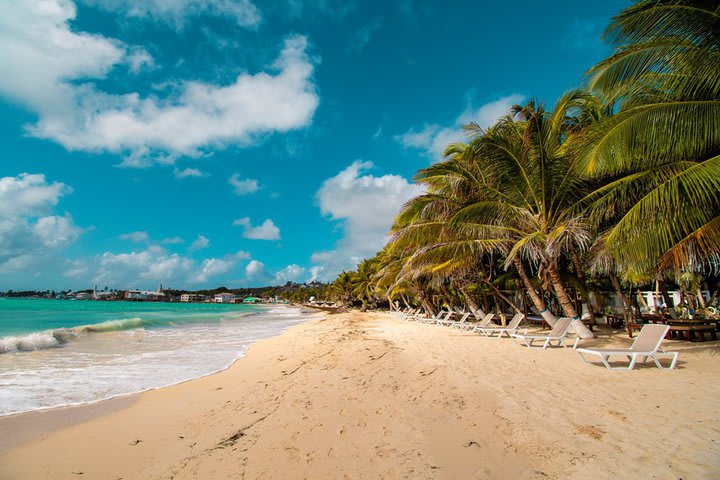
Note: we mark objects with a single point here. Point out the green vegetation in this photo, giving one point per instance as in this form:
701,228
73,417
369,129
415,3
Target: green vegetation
618,186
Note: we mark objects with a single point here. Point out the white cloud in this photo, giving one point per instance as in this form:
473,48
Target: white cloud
147,268
30,234
366,206
434,138
256,274
212,267
172,240
188,172
265,231
48,68
136,237
291,273
243,186
55,231
139,58
244,12
200,242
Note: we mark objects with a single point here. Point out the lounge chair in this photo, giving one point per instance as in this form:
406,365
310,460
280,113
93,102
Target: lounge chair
441,317
647,344
410,315
400,313
557,334
511,328
454,323
484,323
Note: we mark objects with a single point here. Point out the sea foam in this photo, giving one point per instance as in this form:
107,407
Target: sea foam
156,350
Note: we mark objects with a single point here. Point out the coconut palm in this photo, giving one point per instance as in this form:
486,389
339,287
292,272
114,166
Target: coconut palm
659,154
528,196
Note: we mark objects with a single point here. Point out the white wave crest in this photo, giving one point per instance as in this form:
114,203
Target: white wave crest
112,325
26,343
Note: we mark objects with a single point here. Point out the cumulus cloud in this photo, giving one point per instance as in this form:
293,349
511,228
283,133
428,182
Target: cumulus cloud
200,242
49,68
365,206
172,240
176,12
147,268
265,231
291,273
433,138
256,274
188,172
30,233
242,186
136,237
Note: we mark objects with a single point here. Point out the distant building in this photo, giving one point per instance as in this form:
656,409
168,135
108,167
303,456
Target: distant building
192,297
252,300
144,295
224,298
83,296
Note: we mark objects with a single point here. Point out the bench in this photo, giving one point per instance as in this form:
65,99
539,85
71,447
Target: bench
694,333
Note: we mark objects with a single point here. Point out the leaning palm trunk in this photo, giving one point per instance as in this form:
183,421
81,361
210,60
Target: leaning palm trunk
502,296
537,301
474,307
585,295
580,329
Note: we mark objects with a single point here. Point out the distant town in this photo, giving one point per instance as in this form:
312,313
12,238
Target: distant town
290,292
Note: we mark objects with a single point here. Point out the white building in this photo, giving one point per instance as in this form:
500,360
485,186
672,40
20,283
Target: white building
192,297
224,298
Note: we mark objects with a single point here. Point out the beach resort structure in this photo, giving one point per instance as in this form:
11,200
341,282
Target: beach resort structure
145,294
193,297
224,297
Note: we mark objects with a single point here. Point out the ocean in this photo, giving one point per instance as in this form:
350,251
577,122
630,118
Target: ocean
61,352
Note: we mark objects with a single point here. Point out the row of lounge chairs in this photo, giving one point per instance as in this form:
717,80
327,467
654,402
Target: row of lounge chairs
647,344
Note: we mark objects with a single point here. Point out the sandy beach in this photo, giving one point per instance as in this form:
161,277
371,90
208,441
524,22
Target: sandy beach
366,396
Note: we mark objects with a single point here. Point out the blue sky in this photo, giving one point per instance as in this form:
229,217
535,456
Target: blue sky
201,143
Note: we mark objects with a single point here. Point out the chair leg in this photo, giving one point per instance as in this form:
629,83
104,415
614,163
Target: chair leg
632,362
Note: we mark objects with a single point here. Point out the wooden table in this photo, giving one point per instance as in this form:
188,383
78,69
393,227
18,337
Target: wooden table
695,330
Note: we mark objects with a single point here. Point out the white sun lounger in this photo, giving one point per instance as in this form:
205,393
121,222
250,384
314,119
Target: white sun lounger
647,344
400,313
454,323
441,316
511,328
484,323
410,315
557,334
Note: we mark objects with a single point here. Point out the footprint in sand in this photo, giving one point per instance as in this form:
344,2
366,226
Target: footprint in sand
592,431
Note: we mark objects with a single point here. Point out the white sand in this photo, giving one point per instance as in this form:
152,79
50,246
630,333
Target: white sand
365,396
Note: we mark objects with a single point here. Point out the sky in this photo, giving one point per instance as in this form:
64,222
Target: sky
200,143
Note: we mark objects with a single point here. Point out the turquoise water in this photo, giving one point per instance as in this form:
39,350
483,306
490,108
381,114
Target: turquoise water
22,316
60,352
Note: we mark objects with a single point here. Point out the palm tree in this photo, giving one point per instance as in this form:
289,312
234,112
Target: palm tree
342,287
659,153
364,284
526,200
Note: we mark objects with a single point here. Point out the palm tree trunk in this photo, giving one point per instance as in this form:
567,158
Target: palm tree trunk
502,296
537,301
619,290
585,292
427,305
474,307
567,305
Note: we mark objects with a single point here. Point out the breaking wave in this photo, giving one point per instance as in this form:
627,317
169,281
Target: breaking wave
60,336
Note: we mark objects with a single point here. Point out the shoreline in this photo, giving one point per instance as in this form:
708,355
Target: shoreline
365,395
47,419
266,310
